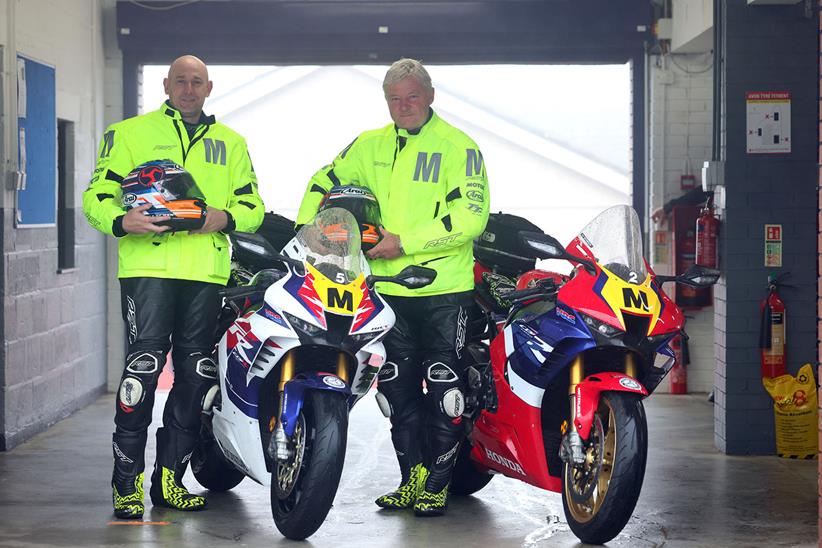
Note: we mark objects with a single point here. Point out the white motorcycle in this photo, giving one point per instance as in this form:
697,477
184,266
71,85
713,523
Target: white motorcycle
305,346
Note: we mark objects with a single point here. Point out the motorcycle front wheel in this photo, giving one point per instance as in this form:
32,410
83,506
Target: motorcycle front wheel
599,496
304,486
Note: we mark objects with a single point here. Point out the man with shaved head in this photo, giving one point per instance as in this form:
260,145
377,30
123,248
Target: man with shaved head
169,278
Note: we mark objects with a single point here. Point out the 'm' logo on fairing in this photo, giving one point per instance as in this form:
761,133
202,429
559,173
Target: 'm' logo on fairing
344,301
635,299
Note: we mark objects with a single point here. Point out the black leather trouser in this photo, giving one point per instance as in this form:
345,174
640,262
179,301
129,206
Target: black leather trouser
163,314
426,344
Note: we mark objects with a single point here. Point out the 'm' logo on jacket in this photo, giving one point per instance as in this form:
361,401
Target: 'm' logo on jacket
429,169
215,152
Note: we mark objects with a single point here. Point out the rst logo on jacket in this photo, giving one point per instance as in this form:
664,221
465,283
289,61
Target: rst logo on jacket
215,152
428,168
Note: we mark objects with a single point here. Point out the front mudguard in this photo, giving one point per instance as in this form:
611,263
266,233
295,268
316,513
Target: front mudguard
588,392
294,395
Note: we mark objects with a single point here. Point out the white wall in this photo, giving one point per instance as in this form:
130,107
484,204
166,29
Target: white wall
680,128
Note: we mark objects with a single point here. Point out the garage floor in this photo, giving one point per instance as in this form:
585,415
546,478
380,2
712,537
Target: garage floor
54,491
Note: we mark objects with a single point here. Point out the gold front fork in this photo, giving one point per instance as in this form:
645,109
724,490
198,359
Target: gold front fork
630,365
286,373
577,374
342,367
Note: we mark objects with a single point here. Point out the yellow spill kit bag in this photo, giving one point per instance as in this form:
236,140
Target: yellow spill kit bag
795,413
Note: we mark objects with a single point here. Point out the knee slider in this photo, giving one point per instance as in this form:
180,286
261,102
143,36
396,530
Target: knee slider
452,403
132,392
383,404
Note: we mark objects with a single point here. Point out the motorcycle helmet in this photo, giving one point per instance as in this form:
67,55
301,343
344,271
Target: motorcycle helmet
170,190
360,202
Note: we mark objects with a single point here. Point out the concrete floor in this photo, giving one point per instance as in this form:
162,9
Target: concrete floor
54,491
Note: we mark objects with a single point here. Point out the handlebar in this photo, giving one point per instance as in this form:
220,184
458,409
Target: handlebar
232,293
539,291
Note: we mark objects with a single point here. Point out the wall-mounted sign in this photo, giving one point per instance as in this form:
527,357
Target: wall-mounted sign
769,122
773,245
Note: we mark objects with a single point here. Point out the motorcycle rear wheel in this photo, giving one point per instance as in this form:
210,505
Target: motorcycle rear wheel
466,479
599,496
303,488
210,468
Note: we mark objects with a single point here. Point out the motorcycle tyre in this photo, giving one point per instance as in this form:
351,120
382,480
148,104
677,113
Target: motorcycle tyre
326,420
211,469
466,479
627,475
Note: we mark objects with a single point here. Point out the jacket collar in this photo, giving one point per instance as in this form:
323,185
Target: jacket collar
432,119
172,112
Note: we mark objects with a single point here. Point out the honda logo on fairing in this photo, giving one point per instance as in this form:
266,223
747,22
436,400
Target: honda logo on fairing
499,459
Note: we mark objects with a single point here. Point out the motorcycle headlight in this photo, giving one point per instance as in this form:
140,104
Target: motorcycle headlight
657,340
600,327
302,325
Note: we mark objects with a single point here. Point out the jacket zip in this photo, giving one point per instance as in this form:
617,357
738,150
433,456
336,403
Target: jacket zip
191,143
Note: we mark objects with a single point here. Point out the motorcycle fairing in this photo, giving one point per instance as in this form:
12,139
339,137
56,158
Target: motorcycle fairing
588,393
368,309
509,441
294,395
539,349
301,288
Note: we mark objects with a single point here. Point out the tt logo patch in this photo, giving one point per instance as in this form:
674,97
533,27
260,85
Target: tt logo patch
215,152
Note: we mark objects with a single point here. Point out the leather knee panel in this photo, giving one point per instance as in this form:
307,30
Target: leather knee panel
399,384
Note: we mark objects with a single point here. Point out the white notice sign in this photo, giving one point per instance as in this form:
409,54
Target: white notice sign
769,122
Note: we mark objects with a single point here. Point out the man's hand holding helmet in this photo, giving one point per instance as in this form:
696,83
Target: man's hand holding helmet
136,221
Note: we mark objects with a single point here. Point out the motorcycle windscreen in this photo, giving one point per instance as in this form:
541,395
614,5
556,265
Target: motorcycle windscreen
332,245
613,239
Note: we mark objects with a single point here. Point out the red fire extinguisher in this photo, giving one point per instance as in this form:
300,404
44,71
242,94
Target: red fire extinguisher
772,341
707,235
679,372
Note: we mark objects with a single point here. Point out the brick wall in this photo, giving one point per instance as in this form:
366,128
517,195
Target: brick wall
680,140
764,189
819,266
54,324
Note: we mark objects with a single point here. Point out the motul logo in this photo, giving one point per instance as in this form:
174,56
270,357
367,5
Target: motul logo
499,459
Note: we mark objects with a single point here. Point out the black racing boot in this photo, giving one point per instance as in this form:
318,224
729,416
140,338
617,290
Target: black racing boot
432,497
404,495
127,478
409,457
173,453
431,501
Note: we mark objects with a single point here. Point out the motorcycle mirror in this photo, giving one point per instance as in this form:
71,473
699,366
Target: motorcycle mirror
699,276
412,277
544,246
252,248
548,247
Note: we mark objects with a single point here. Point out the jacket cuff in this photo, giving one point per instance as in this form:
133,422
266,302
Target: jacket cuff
231,225
117,227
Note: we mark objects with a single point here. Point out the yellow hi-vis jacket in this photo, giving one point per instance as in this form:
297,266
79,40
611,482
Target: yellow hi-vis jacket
218,160
433,192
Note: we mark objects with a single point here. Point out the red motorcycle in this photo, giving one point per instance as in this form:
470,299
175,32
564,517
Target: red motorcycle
556,401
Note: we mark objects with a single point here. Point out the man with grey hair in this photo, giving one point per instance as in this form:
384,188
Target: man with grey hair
430,181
